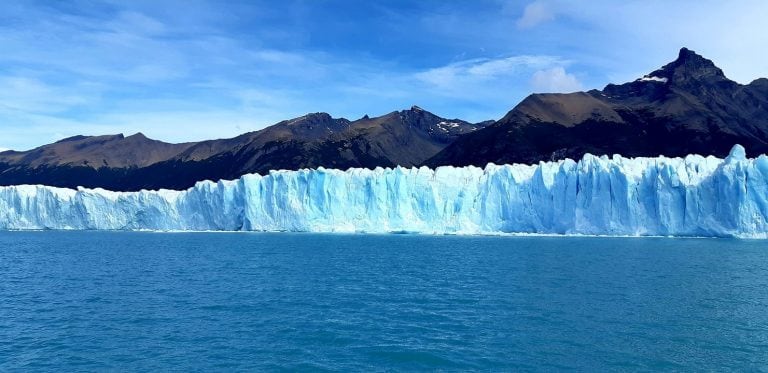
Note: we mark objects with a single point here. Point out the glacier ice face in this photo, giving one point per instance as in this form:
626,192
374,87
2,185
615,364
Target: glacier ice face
691,196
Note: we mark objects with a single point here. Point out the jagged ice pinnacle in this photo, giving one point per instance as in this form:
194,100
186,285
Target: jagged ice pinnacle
691,196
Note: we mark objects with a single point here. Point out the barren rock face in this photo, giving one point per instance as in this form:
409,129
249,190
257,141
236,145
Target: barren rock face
687,106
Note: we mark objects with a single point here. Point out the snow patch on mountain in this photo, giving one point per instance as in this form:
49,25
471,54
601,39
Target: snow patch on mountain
446,126
649,78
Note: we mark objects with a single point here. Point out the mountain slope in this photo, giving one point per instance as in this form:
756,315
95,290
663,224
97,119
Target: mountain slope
407,138
97,151
687,106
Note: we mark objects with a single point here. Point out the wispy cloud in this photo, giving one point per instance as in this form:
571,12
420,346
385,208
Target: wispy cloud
480,81
177,125
29,94
461,74
191,70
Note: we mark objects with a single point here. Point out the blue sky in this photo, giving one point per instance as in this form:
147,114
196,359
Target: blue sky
192,70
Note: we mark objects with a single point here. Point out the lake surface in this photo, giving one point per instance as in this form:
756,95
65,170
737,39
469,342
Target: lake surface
253,301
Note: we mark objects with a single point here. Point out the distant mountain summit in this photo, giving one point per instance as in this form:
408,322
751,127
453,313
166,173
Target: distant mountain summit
687,106
97,151
407,137
690,67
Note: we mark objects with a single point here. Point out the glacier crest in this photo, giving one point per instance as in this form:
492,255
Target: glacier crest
691,196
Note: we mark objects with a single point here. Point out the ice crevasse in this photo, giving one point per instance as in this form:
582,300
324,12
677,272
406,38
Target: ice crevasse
691,196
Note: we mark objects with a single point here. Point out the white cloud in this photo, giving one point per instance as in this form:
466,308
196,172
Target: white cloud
492,68
490,85
31,94
535,13
555,80
598,32
183,75
461,74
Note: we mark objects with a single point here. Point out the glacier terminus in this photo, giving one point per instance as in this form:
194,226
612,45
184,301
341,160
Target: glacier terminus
691,196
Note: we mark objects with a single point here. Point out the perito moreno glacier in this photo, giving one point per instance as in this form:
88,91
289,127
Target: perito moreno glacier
691,196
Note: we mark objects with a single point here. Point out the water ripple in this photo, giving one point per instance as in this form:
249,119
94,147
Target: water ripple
94,301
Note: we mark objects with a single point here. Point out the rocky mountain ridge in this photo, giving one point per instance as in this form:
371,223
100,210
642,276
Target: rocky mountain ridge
687,106
118,162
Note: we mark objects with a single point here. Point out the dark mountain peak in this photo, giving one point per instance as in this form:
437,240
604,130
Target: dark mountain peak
138,136
688,56
690,72
72,138
97,151
418,117
311,126
485,123
310,118
88,139
689,66
686,53
760,82
140,139
565,109
414,112
441,129
313,120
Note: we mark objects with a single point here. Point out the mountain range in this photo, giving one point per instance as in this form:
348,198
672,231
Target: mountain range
116,162
687,106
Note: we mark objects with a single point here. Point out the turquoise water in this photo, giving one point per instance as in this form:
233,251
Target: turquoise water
97,301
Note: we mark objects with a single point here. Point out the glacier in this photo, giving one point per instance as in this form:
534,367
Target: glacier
690,196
